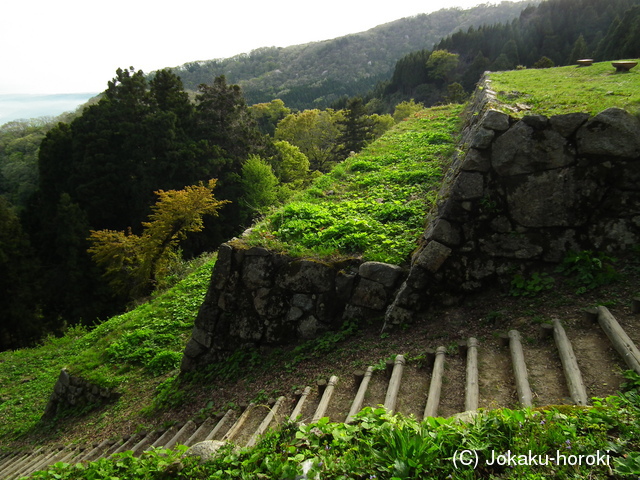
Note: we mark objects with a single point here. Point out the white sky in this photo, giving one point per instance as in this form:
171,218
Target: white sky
73,46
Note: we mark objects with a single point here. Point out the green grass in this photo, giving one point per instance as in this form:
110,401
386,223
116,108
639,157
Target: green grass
133,348
374,203
560,90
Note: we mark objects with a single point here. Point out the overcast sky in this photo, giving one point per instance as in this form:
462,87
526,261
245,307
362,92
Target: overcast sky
74,46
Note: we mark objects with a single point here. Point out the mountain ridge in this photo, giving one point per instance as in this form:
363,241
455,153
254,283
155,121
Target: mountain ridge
316,74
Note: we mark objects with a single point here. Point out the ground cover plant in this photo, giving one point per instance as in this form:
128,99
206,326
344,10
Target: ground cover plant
135,348
559,442
374,203
560,90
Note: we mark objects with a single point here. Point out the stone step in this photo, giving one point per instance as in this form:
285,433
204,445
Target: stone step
20,462
8,460
39,462
164,437
237,426
96,452
128,443
145,442
223,424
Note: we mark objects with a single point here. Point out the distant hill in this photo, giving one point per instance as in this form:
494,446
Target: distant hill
316,74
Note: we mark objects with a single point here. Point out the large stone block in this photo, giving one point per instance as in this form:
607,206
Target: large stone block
444,232
222,268
483,138
511,245
613,132
369,294
476,161
567,124
432,256
468,186
257,271
307,276
495,120
382,273
522,150
269,303
553,198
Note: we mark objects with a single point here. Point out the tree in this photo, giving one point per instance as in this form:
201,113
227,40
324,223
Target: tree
456,93
544,62
380,124
225,123
267,115
357,128
441,65
259,184
293,167
132,263
578,51
406,109
315,132
19,323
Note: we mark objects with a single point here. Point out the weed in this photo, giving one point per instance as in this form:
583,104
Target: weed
588,270
530,287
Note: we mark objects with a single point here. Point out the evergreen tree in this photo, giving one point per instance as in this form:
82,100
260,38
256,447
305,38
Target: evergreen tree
19,322
357,129
578,51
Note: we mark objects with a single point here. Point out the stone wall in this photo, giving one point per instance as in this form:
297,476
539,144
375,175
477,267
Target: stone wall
260,298
70,391
519,193
524,192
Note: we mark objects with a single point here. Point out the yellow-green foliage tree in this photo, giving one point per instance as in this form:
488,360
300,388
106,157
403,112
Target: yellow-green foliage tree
404,110
134,263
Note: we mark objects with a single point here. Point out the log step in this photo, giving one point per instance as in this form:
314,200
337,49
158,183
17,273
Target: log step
577,390
394,383
519,369
619,338
435,387
358,400
324,401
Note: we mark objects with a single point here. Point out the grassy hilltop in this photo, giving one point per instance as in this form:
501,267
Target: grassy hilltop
341,214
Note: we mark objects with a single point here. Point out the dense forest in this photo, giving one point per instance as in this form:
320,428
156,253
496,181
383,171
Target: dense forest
118,188
126,169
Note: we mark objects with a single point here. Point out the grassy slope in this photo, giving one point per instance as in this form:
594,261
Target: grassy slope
374,203
132,352
570,89
27,376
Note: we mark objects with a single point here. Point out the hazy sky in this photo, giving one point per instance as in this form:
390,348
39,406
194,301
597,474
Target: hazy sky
73,46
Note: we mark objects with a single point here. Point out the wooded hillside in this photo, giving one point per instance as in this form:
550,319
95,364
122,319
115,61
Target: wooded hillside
315,75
